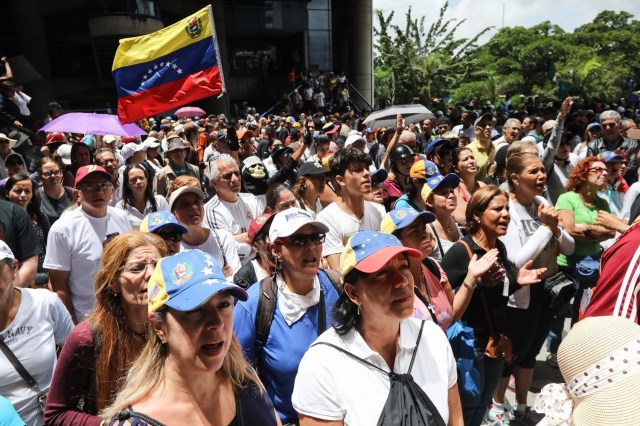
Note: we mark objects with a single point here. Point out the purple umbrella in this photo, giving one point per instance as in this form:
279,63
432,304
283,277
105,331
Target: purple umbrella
90,123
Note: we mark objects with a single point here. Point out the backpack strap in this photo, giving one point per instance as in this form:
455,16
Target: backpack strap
265,313
352,356
432,267
334,277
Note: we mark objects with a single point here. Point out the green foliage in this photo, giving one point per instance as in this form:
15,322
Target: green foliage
594,61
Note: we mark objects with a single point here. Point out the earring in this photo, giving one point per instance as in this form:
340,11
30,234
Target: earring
358,309
112,292
278,264
163,340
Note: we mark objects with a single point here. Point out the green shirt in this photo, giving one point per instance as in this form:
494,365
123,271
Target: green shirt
581,214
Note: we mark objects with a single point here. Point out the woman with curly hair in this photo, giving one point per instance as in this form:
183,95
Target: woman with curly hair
586,216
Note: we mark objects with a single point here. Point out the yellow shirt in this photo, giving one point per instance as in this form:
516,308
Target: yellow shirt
483,158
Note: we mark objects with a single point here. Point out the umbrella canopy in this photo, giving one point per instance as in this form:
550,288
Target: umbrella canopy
90,123
412,113
190,111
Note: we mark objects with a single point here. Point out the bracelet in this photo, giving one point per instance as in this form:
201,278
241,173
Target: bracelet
471,287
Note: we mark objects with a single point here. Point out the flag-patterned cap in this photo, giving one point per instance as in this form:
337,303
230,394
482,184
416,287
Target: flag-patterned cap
187,280
369,251
161,219
402,217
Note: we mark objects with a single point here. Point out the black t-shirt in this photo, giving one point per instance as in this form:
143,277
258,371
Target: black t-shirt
53,208
18,232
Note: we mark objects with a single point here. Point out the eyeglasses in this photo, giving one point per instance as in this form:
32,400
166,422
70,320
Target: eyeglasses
609,125
138,268
227,176
301,240
176,237
50,173
597,170
93,187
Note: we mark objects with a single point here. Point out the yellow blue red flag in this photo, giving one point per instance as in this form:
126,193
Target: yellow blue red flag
169,68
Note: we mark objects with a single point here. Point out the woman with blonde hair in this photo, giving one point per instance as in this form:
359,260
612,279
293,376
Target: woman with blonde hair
192,370
101,349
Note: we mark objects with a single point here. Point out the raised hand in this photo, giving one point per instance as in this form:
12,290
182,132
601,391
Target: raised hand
566,106
479,267
528,276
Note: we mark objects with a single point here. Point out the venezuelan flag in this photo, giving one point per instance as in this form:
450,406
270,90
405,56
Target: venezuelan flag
169,68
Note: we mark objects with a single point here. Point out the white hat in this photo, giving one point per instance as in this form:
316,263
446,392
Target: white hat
129,149
600,363
5,252
250,161
64,151
12,142
109,139
287,222
353,138
150,142
181,191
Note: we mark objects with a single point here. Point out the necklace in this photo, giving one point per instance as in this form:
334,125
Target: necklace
482,246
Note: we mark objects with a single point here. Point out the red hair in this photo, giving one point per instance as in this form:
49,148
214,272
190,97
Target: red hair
578,175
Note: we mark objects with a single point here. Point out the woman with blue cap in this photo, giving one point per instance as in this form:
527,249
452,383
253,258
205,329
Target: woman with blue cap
191,370
377,364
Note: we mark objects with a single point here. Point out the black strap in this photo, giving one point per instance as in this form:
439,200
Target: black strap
267,308
18,366
426,302
131,414
435,234
357,358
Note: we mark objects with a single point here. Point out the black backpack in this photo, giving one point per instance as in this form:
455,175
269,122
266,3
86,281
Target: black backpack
267,308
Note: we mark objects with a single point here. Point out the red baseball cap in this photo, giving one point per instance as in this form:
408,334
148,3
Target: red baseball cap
258,224
92,169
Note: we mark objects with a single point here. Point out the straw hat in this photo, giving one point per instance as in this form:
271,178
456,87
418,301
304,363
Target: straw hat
600,357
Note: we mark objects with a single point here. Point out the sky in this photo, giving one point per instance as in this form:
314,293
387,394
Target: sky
568,14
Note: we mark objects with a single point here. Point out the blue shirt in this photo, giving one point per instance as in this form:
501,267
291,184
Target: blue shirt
285,345
405,202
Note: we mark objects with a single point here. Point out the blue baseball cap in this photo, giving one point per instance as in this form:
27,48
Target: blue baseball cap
161,219
444,143
402,217
608,156
434,180
369,251
187,280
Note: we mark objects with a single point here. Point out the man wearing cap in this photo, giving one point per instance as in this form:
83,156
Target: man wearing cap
6,144
105,158
230,209
350,213
612,140
151,163
440,152
482,147
111,142
286,160
166,226
75,241
176,154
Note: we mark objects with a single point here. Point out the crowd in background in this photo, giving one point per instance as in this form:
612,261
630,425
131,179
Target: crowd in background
278,268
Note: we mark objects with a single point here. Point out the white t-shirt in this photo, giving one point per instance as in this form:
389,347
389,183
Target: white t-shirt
213,246
134,215
42,321
331,385
233,217
342,226
75,245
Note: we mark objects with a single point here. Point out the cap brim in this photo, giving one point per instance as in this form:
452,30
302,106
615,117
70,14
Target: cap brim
427,216
97,172
321,227
377,260
197,295
175,226
451,179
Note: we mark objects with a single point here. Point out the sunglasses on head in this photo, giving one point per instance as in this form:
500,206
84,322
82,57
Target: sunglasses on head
302,239
175,237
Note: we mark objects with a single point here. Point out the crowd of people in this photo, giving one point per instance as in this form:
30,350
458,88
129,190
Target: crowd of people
319,270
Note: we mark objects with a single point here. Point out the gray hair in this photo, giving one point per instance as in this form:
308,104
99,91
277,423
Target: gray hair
214,165
511,122
608,114
406,137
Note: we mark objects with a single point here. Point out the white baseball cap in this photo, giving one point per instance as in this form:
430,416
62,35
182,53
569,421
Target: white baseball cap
287,222
64,151
129,149
5,252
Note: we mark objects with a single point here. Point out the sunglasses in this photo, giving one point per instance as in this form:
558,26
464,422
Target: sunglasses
175,237
301,240
597,170
50,173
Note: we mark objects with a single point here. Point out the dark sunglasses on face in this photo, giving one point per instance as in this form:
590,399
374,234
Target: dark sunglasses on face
301,240
175,237
227,176
50,173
